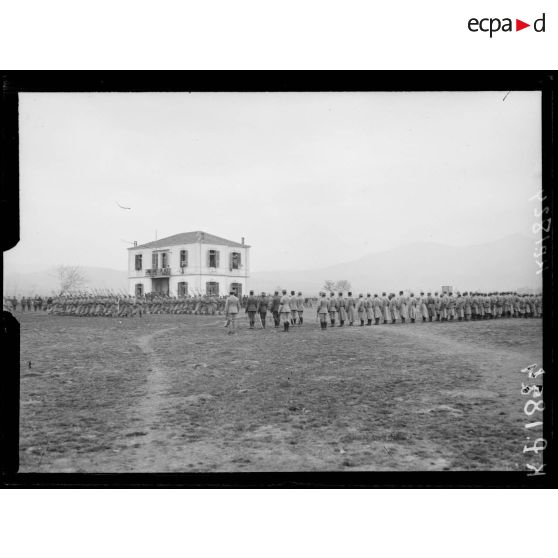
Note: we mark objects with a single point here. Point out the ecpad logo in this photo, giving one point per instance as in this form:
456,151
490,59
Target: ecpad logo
492,25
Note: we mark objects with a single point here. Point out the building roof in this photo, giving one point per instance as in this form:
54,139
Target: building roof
190,238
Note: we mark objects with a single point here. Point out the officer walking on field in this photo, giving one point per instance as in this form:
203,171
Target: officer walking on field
251,309
285,311
300,307
232,309
263,305
294,308
275,305
323,310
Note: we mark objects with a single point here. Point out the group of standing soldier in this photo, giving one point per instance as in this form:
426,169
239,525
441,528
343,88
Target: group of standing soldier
438,307
284,308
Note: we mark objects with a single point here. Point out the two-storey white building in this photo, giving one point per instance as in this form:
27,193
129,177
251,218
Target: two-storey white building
189,263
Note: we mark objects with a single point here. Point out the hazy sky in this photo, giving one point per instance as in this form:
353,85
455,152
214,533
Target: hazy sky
310,179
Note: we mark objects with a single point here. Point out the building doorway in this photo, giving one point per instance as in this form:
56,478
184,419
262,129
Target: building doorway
160,285
236,288
182,288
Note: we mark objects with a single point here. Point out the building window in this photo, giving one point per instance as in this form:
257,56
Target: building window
183,258
235,260
212,288
138,262
155,260
139,288
164,259
213,258
182,288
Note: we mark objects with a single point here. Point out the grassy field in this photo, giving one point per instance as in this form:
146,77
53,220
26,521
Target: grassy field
176,393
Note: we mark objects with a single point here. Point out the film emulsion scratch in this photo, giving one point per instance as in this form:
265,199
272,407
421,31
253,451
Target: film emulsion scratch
540,250
280,282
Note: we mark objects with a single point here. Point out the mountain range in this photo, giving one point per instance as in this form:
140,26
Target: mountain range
505,264
45,282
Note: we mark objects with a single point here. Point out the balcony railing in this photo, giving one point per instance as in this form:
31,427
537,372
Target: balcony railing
160,272
168,271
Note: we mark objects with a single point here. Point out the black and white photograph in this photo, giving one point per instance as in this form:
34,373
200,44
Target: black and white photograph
280,281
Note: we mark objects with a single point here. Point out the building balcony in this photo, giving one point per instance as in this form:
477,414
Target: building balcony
160,272
188,271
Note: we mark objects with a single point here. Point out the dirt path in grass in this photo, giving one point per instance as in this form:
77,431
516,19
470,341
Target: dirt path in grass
157,379
151,404
152,441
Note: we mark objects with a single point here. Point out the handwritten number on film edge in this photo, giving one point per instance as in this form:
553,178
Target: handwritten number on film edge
531,407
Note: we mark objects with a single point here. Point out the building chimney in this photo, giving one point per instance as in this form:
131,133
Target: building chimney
135,242
243,241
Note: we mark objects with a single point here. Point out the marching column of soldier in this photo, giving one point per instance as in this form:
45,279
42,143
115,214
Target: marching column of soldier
340,310
122,305
287,310
117,305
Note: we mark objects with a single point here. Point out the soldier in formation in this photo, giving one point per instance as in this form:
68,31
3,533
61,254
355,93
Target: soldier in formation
289,309
392,309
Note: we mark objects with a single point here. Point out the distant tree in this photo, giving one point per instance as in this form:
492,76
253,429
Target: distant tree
329,285
70,278
343,285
